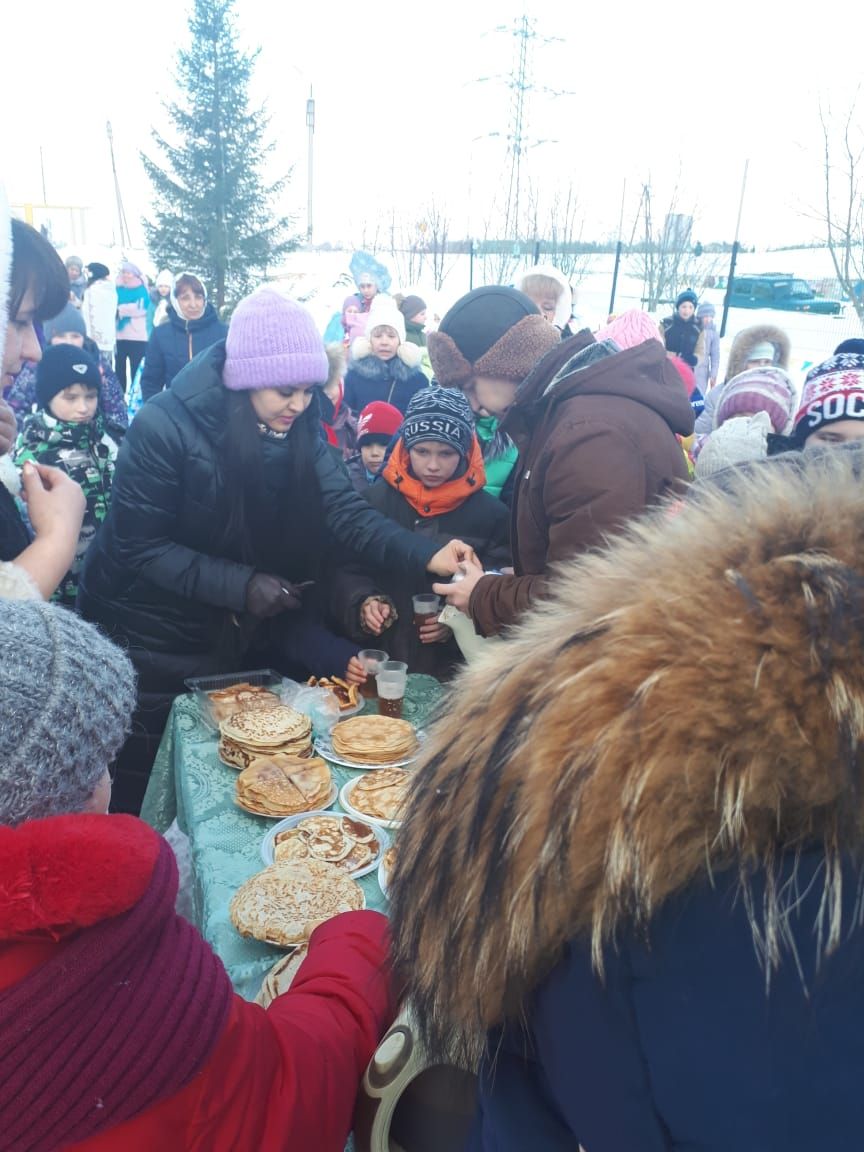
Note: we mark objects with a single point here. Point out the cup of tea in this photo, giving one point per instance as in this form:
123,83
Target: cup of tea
427,608
371,659
391,682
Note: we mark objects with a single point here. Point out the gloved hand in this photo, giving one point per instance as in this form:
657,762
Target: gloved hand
267,595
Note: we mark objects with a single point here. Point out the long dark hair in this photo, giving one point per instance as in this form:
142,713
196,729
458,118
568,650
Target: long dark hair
37,266
255,531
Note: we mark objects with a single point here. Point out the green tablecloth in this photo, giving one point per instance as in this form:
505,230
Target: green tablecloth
190,783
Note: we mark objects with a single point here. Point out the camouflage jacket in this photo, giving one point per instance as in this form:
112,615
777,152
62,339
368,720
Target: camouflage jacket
87,453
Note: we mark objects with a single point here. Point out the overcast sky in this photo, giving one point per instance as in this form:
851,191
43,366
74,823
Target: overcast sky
628,92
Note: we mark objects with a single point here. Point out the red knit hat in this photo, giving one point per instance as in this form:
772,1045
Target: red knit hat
378,419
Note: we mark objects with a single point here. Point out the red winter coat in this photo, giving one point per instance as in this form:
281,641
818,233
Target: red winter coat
280,1079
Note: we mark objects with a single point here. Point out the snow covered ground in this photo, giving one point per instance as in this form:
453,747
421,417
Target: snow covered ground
321,280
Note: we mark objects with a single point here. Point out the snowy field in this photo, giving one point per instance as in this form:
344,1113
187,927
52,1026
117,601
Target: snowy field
321,280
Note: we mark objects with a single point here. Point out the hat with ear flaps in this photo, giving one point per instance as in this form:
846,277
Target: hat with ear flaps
494,331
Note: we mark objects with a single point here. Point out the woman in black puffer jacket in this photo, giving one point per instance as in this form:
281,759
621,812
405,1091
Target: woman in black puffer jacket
191,325
225,499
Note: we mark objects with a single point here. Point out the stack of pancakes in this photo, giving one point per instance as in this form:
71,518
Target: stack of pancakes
224,702
285,903
374,739
282,785
248,735
381,794
347,844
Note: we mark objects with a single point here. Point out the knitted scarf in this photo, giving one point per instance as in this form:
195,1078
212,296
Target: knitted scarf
123,1014
434,501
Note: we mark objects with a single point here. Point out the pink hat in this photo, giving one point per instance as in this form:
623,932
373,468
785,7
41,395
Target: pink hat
629,330
758,390
272,343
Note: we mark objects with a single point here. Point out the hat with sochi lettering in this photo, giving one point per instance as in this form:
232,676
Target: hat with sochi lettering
833,391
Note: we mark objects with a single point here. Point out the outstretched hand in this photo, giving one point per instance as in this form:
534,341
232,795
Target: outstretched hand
459,594
448,559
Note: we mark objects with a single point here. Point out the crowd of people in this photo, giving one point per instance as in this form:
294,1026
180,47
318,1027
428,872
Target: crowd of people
629,876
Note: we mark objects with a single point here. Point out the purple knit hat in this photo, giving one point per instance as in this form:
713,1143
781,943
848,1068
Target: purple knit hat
272,343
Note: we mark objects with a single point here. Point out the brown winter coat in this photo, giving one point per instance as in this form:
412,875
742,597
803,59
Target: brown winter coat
596,447
688,701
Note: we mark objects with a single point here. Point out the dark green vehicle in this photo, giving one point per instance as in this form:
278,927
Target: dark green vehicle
777,290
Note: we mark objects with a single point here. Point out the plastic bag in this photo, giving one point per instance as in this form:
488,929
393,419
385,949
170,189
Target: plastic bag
320,705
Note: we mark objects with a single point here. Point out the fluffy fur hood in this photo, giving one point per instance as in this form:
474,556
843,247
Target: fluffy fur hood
758,334
687,701
361,349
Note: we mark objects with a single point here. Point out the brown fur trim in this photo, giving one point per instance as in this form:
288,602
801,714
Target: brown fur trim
451,368
757,334
688,700
510,358
515,354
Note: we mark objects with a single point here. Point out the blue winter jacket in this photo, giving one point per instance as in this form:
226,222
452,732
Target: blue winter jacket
173,344
683,1049
393,381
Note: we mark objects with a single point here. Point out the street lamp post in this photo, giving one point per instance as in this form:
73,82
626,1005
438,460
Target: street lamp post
310,124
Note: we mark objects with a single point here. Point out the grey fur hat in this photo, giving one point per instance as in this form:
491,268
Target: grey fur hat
66,700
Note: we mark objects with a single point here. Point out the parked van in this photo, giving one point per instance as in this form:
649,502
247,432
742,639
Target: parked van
779,290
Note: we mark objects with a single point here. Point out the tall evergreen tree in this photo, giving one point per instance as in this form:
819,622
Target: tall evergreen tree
213,211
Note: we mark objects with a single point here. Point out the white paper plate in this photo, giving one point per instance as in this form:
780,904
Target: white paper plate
269,841
324,748
382,877
334,792
358,815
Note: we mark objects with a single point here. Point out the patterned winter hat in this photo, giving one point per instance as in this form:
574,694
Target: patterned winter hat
629,330
758,390
62,366
66,698
272,342
441,414
833,390
492,331
378,419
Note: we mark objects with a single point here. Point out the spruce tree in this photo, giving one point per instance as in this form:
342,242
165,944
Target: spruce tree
213,211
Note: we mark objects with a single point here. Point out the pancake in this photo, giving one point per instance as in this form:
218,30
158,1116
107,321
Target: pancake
225,702
374,739
347,844
347,695
285,903
267,729
380,795
281,785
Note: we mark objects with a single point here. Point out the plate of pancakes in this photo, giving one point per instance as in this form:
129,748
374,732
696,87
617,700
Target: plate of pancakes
285,903
347,695
379,796
219,697
280,785
350,845
370,741
248,735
